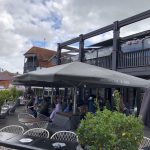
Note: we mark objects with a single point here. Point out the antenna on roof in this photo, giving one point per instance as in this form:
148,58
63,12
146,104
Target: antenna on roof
44,42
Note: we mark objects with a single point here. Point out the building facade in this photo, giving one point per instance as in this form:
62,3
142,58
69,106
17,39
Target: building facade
130,54
37,58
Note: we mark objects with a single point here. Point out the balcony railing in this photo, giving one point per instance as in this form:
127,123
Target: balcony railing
29,66
104,62
139,58
134,59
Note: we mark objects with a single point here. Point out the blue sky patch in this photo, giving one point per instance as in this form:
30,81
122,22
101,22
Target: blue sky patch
55,19
43,43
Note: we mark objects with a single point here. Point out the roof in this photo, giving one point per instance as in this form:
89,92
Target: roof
6,76
42,53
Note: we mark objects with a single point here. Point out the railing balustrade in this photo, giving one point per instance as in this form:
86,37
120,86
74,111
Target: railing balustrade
134,59
139,58
104,62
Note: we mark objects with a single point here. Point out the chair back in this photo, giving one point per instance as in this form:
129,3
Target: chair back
25,115
145,143
41,124
13,129
12,109
65,136
41,116
38,132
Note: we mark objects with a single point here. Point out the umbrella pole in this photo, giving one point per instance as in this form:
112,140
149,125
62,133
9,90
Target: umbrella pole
75,100
52,94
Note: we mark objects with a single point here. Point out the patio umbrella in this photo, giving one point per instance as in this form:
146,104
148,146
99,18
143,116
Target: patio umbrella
144,111
77,74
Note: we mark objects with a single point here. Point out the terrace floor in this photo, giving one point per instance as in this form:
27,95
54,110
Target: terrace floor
13,120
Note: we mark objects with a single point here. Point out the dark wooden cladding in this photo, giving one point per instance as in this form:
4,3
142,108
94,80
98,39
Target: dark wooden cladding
125,60
134,59
104,62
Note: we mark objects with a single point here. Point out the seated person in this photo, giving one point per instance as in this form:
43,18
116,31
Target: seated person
91,104
44,108
68,108
58,108
31,106
123,108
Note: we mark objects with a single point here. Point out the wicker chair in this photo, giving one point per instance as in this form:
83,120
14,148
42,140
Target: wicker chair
145,143
41,124
13,129
41,116
38,132
25,115
65,136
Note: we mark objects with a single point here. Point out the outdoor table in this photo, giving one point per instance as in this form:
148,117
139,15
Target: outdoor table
6,136
36,143
30,120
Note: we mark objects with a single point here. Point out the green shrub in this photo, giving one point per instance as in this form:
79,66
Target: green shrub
9,95
15,93
110,131
4,95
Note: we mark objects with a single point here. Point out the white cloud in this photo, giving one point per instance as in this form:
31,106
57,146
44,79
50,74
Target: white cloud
24,21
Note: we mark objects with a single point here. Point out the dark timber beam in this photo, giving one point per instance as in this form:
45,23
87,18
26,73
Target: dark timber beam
122,23
71,48
99,31
116,32
88,35
134,19
72,41
58,54
136,36
81,48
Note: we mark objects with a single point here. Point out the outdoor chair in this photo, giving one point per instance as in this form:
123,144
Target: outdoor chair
25,115
29,111
65,136
145,143
38,132
41,116
13,129
13,108
41,124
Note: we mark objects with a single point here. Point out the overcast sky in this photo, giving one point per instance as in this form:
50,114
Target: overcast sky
26,23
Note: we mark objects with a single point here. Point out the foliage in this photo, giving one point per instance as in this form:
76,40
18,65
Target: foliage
15,93
4,94
117,99
110,131
9,95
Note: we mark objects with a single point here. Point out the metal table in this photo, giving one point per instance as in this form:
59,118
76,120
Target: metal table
13,141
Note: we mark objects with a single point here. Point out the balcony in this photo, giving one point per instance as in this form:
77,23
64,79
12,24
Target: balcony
135,63
29,66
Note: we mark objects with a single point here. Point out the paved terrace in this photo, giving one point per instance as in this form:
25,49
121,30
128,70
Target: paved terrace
13,120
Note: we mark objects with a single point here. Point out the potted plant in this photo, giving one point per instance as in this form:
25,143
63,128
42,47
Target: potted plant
107,130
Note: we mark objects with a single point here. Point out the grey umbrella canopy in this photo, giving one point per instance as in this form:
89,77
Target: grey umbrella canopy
76,74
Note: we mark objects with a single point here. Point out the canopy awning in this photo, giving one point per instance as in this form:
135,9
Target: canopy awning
77,74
